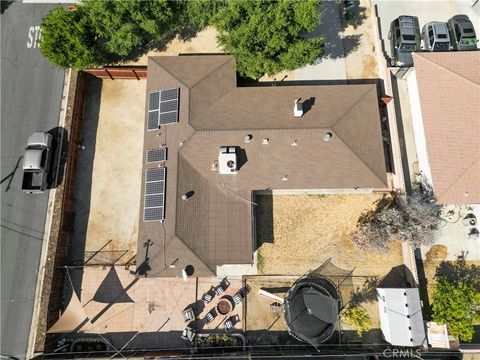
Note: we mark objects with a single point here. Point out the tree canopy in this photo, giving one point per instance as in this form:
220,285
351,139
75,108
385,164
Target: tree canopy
456,298
264,36
101,32
413,219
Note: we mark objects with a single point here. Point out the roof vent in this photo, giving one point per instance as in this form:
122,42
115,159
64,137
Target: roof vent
265,141
227,160
297,108
327,136
248,138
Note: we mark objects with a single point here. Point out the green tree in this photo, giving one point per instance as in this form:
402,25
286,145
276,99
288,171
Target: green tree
458,306
69,40
359,318
265,37
100,32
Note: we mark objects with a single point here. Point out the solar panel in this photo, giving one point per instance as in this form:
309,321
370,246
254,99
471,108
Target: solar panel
152,120
162,108
167,106
154,155
169,94
168,118
154,100
156,174
154,198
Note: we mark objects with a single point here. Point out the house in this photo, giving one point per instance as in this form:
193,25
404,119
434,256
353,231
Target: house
210,145
401,318
444,93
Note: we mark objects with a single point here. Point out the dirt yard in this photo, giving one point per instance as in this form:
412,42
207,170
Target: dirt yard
298,233
117,168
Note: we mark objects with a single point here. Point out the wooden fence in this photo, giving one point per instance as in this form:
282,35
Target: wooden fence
120,72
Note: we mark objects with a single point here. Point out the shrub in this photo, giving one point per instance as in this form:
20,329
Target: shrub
359,318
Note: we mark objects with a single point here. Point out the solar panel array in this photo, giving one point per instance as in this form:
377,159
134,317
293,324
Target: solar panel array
162,108
155,155
154,204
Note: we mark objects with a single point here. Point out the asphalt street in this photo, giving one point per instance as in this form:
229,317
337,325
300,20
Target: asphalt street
30,101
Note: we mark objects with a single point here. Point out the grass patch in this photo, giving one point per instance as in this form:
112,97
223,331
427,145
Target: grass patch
260,262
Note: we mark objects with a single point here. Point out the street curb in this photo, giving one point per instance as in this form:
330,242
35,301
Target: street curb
48,225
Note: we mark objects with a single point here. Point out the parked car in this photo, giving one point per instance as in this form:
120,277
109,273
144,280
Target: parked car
404,38
436,37
462,33
36,162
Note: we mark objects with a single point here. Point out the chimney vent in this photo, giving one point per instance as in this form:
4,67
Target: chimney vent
297,108
248,138
327,136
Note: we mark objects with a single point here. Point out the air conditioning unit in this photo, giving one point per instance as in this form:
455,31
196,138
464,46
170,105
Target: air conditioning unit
227,160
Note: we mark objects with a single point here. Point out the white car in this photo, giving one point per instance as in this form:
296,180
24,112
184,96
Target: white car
436,37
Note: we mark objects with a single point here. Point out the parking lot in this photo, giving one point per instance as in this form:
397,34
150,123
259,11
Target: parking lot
426,11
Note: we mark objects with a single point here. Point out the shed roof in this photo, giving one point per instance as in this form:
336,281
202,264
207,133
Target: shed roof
214,226
449,91
401,316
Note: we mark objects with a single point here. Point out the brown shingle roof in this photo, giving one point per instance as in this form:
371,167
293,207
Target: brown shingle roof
214,226
449,90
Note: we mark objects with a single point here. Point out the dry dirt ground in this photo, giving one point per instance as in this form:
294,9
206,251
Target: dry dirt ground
117,168
310,229
205,42
298,233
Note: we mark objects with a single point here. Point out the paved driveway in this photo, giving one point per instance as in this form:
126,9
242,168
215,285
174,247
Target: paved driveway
426,11
31,94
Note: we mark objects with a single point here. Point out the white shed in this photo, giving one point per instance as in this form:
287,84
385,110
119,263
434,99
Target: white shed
401,316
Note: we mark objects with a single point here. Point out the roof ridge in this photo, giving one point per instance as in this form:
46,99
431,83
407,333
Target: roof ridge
447,69
168,71
353,106
227,59
359,157
457,179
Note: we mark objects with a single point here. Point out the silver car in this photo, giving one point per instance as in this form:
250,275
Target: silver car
436,37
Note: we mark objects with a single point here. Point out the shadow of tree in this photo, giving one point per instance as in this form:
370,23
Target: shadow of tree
332,25
459,271
366,294
387,201
354,14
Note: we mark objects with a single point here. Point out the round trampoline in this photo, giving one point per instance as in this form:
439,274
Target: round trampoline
311,310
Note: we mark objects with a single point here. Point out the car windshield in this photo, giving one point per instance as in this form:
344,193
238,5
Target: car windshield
442,36
441,45
408,47
469,41
409,37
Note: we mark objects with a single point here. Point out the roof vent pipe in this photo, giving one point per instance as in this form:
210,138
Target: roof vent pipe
327,136
248,138
297,108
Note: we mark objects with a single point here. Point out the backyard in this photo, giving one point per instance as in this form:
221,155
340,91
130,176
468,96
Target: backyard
297,233
301,233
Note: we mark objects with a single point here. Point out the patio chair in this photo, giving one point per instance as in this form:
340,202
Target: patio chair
219,290
188,314
211,315
237,298
224,283
231,322
188,334
209,295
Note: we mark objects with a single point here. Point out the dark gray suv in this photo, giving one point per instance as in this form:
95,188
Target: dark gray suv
462,33
404,38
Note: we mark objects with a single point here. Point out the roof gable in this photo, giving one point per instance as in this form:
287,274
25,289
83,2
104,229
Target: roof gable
449,91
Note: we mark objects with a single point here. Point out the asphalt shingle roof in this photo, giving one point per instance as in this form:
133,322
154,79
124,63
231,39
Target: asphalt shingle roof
215,226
